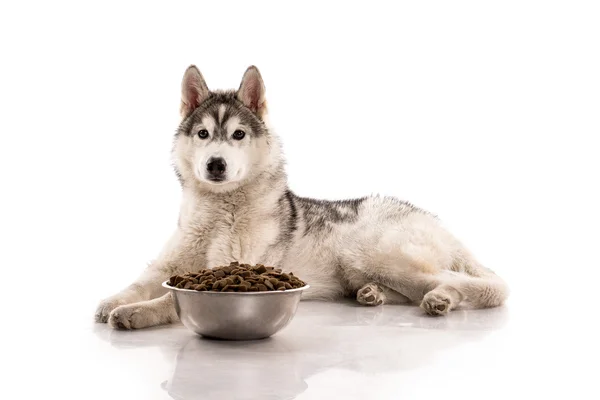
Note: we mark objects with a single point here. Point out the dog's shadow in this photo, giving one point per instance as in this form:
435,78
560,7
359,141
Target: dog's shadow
366,340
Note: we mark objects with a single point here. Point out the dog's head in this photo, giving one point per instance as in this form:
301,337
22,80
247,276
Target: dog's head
223,141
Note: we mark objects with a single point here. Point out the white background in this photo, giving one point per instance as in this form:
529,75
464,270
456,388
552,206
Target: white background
486,113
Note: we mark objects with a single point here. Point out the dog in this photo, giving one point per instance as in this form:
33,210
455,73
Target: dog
236,206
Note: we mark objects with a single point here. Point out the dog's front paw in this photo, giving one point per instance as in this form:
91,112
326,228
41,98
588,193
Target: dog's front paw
370,295
132,316
436,303
105,308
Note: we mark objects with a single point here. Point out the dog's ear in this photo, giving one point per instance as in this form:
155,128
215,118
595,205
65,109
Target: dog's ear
193,90
252,91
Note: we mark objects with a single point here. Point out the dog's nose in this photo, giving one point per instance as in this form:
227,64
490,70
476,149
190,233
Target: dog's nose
216,166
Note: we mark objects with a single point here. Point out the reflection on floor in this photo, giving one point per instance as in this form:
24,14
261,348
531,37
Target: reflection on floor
330,350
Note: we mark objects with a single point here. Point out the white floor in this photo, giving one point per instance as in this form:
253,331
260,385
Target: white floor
329,351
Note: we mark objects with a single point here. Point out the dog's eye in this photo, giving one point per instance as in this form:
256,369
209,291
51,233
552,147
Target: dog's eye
239,135
202,133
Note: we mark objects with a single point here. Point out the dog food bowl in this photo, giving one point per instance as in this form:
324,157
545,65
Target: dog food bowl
236,315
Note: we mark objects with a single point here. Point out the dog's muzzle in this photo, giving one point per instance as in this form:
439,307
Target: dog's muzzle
216,169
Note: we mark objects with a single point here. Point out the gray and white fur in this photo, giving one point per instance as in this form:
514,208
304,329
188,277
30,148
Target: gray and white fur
236,206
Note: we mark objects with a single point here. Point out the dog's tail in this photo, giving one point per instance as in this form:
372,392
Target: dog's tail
482,288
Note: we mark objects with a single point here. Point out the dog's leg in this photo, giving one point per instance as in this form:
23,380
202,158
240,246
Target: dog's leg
146,287
426,264
177,256
441,299
467,281
375,294
479,292
439,293
144,314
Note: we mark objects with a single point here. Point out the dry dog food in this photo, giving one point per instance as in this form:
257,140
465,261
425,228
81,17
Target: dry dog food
237,278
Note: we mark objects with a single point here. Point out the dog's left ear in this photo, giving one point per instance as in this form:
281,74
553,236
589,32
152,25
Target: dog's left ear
252,91
193,91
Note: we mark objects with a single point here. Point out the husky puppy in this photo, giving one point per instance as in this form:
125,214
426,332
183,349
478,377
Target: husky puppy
236,206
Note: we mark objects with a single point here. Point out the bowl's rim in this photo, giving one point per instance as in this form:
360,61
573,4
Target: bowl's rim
270,292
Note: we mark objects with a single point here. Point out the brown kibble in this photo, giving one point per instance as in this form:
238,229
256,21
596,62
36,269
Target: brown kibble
219,274
260,269
237,278
261,287
219,284
227,270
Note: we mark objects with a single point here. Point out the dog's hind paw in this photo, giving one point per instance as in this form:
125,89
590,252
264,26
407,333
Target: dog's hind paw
436,303
370,295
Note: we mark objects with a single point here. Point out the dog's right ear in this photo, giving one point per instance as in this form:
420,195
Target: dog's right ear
252,91
193,91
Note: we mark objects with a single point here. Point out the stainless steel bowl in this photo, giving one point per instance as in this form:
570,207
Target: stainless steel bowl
236,315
